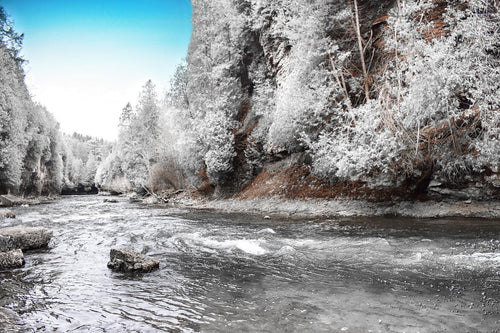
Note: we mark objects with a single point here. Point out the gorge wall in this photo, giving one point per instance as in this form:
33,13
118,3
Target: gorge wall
370,99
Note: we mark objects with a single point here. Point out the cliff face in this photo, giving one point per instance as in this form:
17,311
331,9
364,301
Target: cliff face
30,162
357,98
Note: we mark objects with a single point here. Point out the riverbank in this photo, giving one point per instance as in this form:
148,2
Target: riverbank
319,208
312,208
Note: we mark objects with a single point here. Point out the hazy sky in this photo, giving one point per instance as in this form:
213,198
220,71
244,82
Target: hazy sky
88,58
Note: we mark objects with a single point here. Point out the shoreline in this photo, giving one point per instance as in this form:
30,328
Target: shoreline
320,208
315,208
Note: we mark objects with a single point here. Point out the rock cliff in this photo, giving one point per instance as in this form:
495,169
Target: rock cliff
368,99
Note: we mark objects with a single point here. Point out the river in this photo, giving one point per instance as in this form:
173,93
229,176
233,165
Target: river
241,273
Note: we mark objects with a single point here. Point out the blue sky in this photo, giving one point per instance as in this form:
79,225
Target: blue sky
87,59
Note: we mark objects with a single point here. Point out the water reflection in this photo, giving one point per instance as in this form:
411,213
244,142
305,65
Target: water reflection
233,273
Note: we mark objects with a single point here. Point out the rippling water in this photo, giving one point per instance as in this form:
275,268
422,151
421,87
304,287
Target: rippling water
240,273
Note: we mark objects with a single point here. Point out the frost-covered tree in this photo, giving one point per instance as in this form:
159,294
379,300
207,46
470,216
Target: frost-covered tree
53,159
437,99
448,76
126,117
214,91
15,104
30,154
148,113
30,142
138,142
81,157
307,91
9,38
177,95
139,148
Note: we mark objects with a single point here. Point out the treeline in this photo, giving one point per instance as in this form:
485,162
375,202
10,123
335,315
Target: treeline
35,158
146,155
30,143
82,155
380,93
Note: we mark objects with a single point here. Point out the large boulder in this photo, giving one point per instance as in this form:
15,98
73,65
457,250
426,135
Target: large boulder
7,214
130,260
24,238
11,259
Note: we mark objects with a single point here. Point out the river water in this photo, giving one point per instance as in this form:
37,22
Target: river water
242,273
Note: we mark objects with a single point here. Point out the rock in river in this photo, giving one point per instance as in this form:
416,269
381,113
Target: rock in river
130,260
11,259
24,238
10,322
8,214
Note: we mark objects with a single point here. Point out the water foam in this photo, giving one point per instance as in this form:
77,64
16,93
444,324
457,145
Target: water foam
475,258
266,231
249,246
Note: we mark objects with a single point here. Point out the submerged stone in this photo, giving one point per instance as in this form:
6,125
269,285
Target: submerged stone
130,260
24,238
6,213
9,321
11,259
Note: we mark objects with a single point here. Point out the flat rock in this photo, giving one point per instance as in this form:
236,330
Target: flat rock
7,214
11,259
130,260
12,200
24,238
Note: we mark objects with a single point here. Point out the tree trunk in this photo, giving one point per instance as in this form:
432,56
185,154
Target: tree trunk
361,51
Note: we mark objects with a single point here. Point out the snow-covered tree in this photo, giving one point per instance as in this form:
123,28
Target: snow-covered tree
9,38
437,99
214,91
138,142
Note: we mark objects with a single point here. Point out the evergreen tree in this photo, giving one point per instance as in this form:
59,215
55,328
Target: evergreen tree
9,38
148,114
126,116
